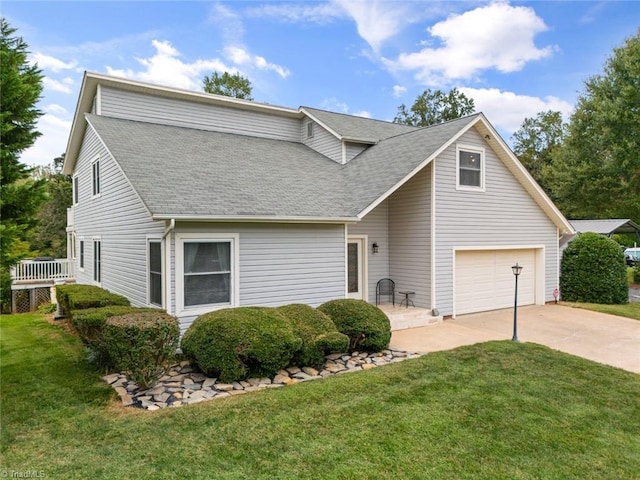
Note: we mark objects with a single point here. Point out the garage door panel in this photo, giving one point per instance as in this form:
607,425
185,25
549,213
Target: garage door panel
484,279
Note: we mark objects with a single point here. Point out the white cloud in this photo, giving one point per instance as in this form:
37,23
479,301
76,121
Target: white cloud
377,20
507,110
333,105
240,56
322,13
362,113
229,23
56,109
56,65
497,36
53,141
166,68
63,86
399,90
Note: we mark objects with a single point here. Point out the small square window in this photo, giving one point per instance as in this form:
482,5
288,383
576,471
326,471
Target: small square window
310,130
470,168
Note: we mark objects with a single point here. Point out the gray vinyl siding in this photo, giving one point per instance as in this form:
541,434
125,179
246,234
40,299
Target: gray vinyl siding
280,263
353,150
322,141
504,215
170,111
376,226
410,237
119,218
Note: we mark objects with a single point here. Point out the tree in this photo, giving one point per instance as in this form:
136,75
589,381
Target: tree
536,144
433,107
228,85
597,171
21,86
49,237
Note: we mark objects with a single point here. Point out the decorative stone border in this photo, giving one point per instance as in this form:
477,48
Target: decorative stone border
182,386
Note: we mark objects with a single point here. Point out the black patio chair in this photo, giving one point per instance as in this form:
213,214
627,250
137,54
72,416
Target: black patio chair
386,286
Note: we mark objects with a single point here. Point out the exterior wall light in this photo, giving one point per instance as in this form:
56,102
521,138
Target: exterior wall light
375,247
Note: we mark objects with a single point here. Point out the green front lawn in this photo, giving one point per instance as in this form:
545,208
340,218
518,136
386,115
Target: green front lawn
629,310
495,410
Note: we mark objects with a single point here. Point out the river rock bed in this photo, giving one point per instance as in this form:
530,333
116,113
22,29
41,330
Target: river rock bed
182,385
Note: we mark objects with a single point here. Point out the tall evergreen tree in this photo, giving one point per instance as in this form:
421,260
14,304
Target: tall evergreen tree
20,197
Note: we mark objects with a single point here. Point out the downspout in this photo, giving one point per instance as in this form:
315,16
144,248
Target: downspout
167,264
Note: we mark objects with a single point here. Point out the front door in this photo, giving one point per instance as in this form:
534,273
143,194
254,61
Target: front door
355,268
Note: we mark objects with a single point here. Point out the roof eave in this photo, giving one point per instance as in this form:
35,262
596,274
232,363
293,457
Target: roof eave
255,219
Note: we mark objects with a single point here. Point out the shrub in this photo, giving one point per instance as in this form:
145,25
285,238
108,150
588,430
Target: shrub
141,344
636,274
593,270
235,343
79,297
367,326
89,324
317,331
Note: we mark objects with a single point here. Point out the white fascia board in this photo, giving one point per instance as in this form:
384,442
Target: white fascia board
255,219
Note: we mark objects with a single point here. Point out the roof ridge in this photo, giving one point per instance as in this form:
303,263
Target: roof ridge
355,116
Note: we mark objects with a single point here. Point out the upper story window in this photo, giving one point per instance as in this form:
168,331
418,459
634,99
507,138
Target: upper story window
75,190
95,176
310,130
470,168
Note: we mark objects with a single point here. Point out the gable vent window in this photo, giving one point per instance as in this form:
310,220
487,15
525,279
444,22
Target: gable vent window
310,130
470,169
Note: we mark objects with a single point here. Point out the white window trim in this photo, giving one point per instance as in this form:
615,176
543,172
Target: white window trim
155,239
483,168
82,253
93,261
93,162
181,238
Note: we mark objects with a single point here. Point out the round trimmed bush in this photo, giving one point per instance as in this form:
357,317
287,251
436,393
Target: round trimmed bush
141,344
237,343
367,327
317,331
593,270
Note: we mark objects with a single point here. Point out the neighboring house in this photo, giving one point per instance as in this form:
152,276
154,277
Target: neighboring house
193,202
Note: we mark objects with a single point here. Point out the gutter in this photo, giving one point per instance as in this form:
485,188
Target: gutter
167,265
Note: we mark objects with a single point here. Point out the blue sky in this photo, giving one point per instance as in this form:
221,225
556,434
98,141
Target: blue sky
366,58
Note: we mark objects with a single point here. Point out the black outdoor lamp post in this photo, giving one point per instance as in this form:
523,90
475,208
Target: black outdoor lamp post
516,271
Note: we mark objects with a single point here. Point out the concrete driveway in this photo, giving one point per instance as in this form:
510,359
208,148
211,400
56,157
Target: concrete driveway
596,336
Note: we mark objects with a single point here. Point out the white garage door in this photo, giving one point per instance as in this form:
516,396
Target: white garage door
485,281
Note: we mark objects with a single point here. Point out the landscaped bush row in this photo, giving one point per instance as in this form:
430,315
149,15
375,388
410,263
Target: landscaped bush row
80,297
236,343
138,341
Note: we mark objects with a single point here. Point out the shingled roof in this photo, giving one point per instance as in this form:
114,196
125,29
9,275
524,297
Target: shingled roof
187,173
358,129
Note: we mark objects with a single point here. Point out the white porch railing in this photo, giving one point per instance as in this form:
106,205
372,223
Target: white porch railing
43,270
